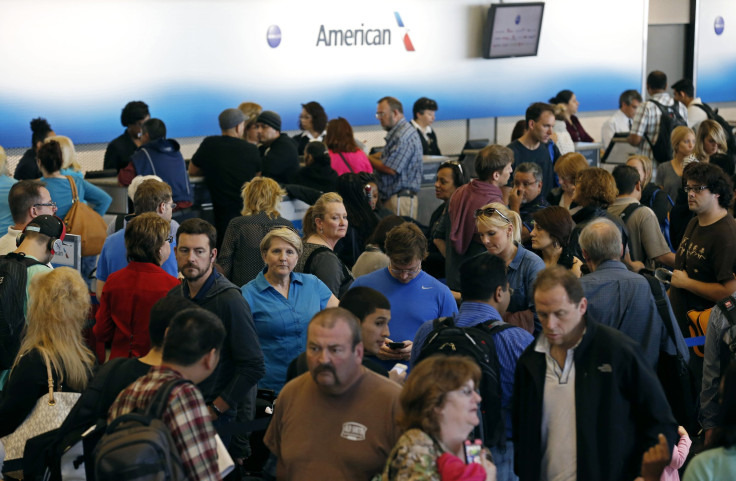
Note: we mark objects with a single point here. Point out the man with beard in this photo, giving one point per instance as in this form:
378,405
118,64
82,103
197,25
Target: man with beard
233,384
348,408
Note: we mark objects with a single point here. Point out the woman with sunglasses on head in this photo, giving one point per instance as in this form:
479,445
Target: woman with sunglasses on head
450,176
130,293
499,229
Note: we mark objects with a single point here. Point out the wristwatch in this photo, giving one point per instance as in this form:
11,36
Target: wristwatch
215,408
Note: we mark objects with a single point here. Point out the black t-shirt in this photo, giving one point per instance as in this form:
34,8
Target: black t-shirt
539,156
707,254
280,160
119,151
227,163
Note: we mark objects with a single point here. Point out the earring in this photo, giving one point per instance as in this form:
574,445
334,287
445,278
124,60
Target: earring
321,230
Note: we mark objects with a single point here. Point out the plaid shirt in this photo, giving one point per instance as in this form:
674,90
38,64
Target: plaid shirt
186,416
403,153
647,117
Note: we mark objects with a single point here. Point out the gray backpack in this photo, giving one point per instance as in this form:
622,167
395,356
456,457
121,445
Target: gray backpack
138,446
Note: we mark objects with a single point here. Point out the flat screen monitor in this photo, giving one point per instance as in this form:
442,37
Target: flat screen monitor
512,30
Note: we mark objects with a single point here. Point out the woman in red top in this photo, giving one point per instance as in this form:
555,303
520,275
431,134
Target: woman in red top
130,293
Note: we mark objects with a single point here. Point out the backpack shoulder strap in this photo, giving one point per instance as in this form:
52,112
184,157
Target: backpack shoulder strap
22,258
161,399
707,109
728,308
629,210
661,303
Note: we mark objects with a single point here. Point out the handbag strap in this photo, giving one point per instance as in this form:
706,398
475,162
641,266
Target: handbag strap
346,162
50,378
75,197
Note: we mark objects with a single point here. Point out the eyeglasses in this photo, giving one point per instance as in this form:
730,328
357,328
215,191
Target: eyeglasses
399,272
489,211
697,189
47,204
172,205
170,239
381,114
524,184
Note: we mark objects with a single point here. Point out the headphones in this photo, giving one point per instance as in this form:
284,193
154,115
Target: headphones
54,245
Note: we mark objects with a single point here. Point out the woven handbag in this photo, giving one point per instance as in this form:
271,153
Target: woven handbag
49,412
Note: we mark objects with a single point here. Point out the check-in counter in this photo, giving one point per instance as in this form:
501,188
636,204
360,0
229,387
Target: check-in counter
291,209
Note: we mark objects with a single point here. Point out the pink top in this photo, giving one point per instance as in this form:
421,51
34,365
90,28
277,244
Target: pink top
679,454
357,160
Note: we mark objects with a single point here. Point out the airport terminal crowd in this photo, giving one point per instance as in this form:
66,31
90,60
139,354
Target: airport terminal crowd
552,321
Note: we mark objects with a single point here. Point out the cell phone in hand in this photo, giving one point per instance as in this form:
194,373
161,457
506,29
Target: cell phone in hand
396,345
472,451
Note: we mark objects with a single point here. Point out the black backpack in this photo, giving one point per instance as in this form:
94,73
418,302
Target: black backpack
713,115
670,118
477,343
13,278
138,446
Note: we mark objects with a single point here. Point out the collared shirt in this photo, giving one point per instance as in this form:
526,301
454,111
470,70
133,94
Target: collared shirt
281,323
559,428
618,123
647,118
522,272
425,131
186,416
402,153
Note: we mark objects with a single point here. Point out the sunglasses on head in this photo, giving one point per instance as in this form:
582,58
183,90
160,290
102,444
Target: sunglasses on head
489,211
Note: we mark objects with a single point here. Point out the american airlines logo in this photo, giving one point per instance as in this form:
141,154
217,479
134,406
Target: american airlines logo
360,37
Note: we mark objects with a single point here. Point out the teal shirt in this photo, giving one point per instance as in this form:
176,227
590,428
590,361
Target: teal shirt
714,464
31,272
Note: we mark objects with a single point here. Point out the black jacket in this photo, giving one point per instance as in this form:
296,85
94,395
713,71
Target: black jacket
620,408
241,360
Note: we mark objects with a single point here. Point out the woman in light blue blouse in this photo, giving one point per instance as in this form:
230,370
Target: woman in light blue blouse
58,162
283,302
499,229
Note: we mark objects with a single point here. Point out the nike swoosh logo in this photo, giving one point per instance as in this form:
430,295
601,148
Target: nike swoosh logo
425,287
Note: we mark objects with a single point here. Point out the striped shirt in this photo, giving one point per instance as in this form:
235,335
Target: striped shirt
186,416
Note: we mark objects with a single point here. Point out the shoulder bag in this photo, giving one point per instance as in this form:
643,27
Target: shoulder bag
49,412
83,221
